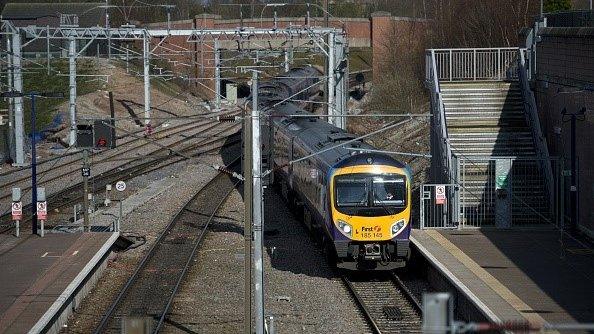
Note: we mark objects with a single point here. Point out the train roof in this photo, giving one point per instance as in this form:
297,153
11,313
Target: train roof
317,134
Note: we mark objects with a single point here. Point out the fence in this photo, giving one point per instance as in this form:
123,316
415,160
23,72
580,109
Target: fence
501,192
476,64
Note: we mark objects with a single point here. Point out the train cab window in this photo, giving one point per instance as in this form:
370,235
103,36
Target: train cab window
370,195
388,190
351,191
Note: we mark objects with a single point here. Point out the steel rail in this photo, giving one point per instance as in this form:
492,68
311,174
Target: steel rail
149,255
131,172
407,293
361,303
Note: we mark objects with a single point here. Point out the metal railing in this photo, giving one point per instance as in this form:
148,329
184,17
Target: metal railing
531,114
439,120
492,64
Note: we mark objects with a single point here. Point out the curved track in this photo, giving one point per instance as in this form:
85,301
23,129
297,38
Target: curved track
159,158
385,302
150,291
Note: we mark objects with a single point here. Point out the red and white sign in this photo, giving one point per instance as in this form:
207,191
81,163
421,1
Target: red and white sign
41,210
17,211
440,194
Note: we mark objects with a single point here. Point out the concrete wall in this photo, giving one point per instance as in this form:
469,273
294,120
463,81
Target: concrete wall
565,64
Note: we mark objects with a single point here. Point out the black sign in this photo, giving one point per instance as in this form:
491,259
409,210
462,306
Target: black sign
85,171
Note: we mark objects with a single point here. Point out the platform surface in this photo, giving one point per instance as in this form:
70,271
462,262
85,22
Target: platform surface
35,272
518,275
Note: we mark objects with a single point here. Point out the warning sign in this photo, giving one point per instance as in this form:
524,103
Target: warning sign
17,211
440,194
42,210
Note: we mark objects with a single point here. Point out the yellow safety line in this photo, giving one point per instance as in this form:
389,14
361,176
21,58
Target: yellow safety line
515,301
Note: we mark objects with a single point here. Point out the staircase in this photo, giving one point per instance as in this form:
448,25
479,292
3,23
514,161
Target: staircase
486,120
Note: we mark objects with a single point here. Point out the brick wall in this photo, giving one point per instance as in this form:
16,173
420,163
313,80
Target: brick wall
565,64
375,32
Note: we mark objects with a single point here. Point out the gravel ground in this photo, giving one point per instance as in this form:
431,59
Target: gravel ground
146,221
70,175
302,292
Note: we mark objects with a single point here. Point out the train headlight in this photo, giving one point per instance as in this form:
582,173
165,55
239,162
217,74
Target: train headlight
398,226
345,227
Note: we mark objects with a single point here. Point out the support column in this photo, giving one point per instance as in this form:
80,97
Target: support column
18,101
72,85
342,82
10,100
217,75
257,209
331,78
147,79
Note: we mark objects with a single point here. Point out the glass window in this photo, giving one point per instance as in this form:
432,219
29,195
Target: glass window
351,191
388,190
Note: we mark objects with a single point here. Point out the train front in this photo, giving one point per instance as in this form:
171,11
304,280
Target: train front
370,212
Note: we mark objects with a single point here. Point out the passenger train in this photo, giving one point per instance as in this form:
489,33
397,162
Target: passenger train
357,202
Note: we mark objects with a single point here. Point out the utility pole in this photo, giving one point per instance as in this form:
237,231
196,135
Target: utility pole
217,74
72,86
17,81
10,101
147,79
247,230
257,208
573,191
86,191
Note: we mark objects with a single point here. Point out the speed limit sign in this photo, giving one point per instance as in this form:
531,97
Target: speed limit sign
120,186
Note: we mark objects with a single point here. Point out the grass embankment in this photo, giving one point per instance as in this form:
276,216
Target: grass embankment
36,79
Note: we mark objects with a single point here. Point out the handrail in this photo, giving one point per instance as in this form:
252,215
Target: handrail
473,64
445,152
531,114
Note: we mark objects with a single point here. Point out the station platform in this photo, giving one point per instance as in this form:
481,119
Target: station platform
513,275
43,279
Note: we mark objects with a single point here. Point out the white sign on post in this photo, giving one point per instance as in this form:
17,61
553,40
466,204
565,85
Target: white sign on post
42,210
17,211
120,186
440,194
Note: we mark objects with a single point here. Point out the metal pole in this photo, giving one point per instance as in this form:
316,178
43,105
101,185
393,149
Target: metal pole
127,60
49,56
10,101
257,208
573,189
217,75
331,79
86,192
112,121
33,168
147,79
19,129
72,98
247,234
286,60
119,225
107,27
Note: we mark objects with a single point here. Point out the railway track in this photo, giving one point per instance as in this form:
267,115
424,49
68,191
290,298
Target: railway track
385,302
160,158
71,166
149,292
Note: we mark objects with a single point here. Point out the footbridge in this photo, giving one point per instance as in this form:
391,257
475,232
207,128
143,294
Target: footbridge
489,155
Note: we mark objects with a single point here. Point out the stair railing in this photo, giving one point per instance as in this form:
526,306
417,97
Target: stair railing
531,114
472,64
439,120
